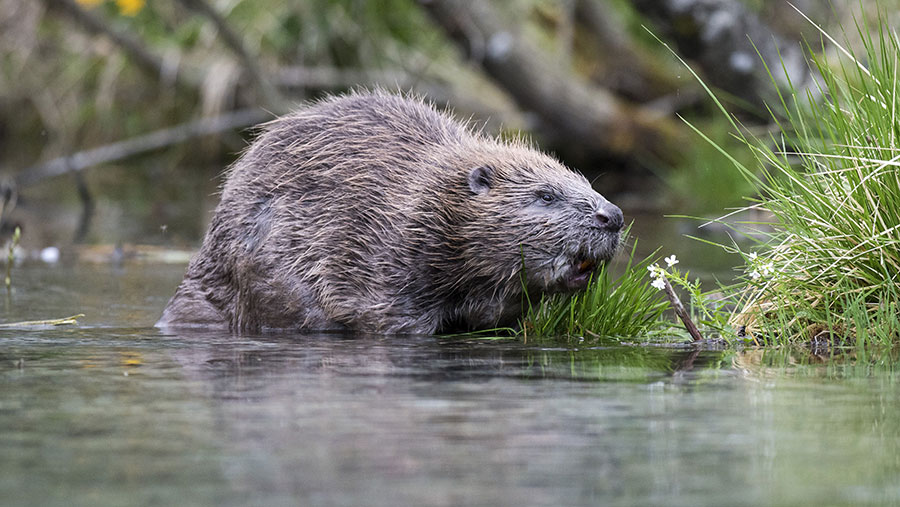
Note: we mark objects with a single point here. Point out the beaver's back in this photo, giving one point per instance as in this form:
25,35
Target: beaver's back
319,211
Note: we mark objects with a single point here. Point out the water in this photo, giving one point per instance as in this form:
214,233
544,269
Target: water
114,412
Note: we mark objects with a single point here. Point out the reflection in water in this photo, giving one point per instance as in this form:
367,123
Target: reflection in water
832,363
211,418
431,358
113,413
415,420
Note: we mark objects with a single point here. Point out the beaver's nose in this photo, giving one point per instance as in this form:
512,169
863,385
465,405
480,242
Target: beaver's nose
608,216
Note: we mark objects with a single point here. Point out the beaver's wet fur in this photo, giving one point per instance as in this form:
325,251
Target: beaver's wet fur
375,212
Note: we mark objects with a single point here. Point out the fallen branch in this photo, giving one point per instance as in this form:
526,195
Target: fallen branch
140,144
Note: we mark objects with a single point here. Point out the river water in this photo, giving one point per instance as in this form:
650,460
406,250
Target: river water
114,412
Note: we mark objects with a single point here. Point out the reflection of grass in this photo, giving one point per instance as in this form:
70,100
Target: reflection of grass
852,362
831,181
623,306
617,363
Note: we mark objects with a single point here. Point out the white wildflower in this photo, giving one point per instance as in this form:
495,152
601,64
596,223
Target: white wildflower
767,269
671,260
752,256
754,275
655,271
659,283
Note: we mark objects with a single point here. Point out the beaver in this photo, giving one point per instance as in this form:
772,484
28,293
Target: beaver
376,212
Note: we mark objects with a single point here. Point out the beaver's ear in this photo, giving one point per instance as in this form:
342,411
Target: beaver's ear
481,179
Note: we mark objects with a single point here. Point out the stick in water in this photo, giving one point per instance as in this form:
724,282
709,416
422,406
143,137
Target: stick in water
65,321
681,312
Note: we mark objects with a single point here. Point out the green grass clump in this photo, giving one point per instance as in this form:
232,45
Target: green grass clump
624,306
830,180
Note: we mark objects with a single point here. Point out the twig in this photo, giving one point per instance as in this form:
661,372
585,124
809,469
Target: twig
140,144
681,312
65,321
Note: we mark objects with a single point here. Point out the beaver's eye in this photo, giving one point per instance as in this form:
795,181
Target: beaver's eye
547,197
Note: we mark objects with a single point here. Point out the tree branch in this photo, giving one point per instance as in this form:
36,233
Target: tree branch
140,144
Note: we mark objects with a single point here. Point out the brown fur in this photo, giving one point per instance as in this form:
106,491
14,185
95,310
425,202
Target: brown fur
375,212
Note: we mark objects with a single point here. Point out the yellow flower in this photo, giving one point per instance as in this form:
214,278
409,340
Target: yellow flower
128,7
90,4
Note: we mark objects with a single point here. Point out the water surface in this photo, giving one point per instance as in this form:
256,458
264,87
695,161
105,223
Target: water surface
114,412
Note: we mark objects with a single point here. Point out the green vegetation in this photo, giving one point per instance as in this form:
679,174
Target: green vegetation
829,266
614,362
626,306
631,305
826,269
822,363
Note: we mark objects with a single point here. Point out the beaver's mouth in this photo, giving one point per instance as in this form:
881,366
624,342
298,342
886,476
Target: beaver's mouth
580,273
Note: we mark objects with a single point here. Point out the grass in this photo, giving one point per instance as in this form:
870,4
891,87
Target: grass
622,306
830,264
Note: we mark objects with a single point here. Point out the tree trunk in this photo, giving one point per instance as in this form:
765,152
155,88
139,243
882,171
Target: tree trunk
583,117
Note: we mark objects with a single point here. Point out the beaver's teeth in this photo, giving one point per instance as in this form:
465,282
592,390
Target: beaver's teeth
586,265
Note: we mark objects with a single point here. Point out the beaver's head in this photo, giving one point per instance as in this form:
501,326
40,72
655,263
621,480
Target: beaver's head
536,214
